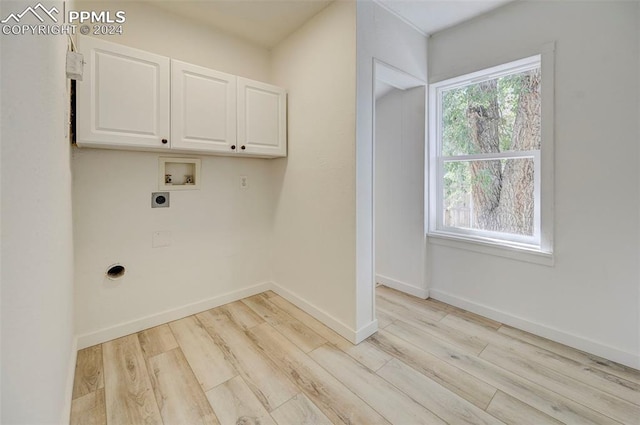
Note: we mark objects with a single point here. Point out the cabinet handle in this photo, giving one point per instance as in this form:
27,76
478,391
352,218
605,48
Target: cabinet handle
242,147
165,141
233,147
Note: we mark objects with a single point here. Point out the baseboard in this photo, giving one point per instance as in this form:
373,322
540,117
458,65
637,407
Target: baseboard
365,331
575,341
137,325
354,336
68,391
403,287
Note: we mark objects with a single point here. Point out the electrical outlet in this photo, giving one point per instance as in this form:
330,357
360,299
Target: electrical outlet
244,182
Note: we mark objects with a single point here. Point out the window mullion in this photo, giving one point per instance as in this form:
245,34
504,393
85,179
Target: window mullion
489,156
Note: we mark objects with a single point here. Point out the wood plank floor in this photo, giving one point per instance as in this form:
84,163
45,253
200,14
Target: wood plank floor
263,361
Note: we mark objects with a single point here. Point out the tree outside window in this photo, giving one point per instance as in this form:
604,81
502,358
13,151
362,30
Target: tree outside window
487,153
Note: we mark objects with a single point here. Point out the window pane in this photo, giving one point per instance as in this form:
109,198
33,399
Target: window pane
493,195
492,116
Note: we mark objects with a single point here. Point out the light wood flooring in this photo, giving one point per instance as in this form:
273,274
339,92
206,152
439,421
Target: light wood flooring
263,361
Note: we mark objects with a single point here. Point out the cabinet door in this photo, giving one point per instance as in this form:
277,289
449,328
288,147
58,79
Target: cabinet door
123,101
203,109
262,118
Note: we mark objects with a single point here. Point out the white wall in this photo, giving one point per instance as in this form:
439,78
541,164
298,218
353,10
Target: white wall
220,233
638,253
399,181
589,299
382,36
156,30
37,253
314,223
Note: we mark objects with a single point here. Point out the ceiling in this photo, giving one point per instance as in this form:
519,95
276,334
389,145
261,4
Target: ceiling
267,22
263,22
430,16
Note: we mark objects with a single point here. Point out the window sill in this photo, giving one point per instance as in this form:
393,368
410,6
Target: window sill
489,247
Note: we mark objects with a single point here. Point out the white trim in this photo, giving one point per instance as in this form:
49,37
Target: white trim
65,418
537,248
377,68
137,325
489,247
395,77
545,331
491,156
407,288
547,148
507,68
402,18
354,336
365,332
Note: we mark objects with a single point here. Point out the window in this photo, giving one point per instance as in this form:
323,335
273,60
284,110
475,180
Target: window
485,165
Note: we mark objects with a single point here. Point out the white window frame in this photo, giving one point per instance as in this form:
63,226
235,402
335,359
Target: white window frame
537,248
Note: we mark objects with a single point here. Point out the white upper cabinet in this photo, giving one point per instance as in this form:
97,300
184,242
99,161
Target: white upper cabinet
262,118
132,99
123,100
203,109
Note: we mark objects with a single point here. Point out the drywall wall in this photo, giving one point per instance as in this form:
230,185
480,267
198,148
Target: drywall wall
314,221
384,37
159,31
38,353
219,234
638,253
398,177
589,298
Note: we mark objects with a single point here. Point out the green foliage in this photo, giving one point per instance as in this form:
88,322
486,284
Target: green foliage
509,89
457,183
456,137
504,92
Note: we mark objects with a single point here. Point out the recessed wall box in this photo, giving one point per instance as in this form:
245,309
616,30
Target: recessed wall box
178,173
160,200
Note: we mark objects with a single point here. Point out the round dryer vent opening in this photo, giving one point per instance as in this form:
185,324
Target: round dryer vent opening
115,271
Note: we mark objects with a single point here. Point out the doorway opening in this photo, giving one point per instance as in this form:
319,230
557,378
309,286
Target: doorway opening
399,236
